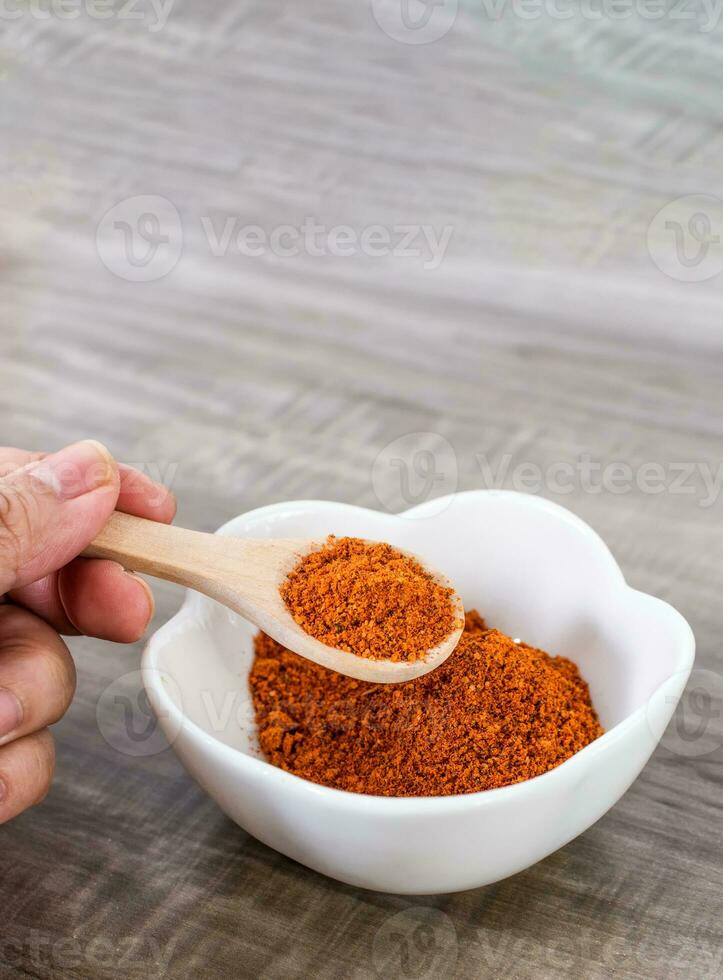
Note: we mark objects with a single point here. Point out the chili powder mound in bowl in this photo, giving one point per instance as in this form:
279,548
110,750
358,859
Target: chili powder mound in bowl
369,599
494,713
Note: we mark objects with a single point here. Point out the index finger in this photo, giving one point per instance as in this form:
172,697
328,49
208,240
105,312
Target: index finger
143,497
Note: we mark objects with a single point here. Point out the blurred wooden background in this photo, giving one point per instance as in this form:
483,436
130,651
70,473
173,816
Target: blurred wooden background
563,322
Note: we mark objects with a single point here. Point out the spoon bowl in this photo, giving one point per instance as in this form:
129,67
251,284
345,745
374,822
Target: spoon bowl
246,575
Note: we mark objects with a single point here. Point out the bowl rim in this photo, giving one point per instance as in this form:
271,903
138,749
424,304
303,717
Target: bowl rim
192,602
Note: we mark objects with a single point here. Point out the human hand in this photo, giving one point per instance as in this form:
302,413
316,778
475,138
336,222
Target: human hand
51,508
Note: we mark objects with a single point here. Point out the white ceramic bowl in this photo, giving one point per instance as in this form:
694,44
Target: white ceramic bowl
533,570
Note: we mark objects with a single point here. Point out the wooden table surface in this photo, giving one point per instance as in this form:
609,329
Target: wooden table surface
560,325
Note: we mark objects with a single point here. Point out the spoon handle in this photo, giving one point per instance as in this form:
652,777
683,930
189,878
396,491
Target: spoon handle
175,554
245,574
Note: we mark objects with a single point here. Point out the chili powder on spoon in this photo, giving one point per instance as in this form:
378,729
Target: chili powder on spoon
369,599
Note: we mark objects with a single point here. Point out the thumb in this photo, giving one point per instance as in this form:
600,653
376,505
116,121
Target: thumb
51,509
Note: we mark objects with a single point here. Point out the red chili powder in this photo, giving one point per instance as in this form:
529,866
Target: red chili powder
496,712
369,599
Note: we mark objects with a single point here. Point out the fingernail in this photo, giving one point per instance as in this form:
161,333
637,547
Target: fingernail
11,713
75,470
149,594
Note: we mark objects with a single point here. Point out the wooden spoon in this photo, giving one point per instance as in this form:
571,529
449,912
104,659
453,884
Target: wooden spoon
245,574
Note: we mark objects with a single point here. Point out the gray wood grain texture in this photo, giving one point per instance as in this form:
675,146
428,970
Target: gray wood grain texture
545,334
